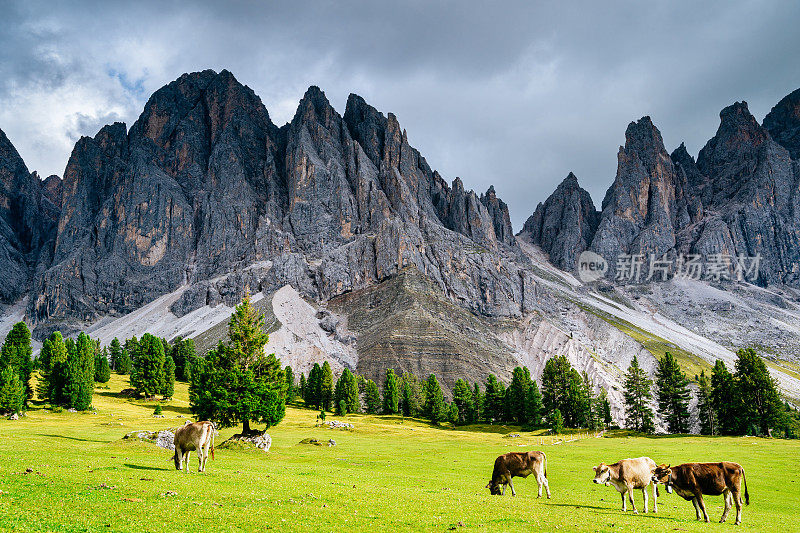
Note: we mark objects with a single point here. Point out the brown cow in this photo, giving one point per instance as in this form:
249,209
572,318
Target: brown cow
520,464
627,475
194,436
692,480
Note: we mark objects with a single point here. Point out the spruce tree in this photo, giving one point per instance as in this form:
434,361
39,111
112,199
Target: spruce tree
434,407
705,406
326,387
533,406
391,393
183,353
79,386
478,401
673,394
313,387
102,371
12,391
556,422
494,400
463,400
147,374
53,374
411,395
605,409
237,383
725,400
350,393
563,389
517,395
762,406
291,389
115,352
16,353
372,398
302,386
169,377
638,393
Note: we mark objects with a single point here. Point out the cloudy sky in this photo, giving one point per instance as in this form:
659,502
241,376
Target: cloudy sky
514,96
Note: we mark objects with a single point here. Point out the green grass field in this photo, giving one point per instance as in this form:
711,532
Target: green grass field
385,474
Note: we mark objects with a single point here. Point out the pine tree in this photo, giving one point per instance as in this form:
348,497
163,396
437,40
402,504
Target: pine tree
291,390
534,407
673,394
302,386
452,413
517,396
463,400
434,407
326,387
391,393
338,396
411,395
372,398
478,400
591,405
556,422
705,406
147,374
169,377
236,382
115,352
494,400
131,347
638,393
102,372
605,409
79,386
122,361
762,406
183,353
350,393
313,387
53,376
16,353
563,389
725,400
12,391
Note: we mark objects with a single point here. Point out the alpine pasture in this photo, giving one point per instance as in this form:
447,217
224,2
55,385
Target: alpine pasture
74,472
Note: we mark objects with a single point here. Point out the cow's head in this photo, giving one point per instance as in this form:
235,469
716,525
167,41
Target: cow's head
601,474
177,461
662,474
494,488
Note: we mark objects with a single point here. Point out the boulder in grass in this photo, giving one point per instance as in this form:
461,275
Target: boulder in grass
262,441
163,438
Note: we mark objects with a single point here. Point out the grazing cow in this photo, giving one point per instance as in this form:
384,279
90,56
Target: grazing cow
520,464
627,475
194,436
692,480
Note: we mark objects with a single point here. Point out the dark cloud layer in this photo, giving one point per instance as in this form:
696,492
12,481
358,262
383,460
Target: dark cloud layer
516,96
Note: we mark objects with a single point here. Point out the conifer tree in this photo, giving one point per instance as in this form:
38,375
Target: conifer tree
326,387
12,391
534,407
464,402
673,394
705,407
517,395
302,386
391,393
725,400
291,389
762,406
183,353
411,395
556,422
638,393
16,353
372,398
563,389
478,401
115,352
434,407
313,386
79,386
494,400
147,374
169,377
102,371
53,372
236,382
605,409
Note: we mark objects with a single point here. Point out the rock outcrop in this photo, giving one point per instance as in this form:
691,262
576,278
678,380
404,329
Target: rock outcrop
564,225
783,123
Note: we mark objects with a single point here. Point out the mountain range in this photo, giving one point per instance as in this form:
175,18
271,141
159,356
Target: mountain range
361,253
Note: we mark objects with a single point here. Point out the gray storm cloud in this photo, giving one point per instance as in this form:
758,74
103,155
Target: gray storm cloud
516,96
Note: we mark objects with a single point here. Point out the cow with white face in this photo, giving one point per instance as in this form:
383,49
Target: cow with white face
627,475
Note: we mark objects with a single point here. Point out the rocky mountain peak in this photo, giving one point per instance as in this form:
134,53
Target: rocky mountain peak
783,123
564,225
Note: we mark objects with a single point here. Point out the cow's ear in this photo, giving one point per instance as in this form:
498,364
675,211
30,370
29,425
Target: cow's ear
487,485
594,468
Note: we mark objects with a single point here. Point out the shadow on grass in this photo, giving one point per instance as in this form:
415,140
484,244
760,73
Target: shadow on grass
140,467
70,438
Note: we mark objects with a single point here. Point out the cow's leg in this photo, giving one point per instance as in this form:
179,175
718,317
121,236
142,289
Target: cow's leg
510,484
200,459
179,455
727,498
543,482
655,497
504,489
624,501
644,497
696,508
633,503
737,499
186,460
702,504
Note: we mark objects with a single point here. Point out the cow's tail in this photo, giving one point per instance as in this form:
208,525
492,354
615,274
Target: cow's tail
746,495
545,465
213,430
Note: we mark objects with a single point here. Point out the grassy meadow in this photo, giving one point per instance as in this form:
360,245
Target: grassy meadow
73,472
